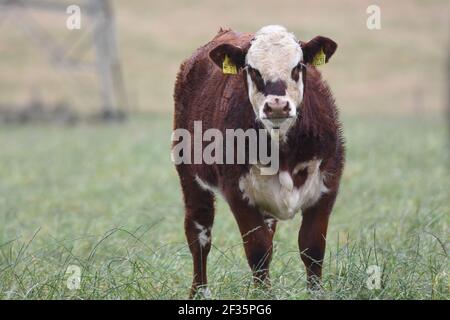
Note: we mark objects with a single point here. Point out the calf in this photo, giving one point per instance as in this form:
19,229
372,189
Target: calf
268,81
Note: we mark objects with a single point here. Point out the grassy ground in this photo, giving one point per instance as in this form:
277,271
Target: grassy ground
106,199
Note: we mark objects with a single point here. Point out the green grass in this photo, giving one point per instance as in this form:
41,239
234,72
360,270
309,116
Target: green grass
107,199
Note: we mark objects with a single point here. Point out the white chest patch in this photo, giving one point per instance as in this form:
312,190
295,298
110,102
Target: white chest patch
277,195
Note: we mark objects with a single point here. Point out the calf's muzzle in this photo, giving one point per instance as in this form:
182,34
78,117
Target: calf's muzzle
277,108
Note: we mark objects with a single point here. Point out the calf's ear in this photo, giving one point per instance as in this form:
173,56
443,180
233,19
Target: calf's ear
318,50
228,57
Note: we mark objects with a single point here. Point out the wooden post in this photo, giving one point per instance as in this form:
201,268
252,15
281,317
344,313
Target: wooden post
108,63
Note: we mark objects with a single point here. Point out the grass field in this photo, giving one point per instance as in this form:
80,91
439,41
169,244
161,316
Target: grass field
107,199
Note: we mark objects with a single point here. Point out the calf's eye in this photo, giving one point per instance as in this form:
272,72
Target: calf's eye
295,74
256,78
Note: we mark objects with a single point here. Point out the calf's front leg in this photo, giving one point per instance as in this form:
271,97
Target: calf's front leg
312,238
256,236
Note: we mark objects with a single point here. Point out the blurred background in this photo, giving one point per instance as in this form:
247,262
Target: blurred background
401,68
103,195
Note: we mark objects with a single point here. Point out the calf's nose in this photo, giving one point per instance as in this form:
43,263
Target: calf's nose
277,109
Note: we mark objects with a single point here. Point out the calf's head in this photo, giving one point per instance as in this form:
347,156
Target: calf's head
274,71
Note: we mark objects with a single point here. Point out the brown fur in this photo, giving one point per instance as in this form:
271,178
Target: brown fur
203,92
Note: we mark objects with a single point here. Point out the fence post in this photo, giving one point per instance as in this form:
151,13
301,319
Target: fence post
107,59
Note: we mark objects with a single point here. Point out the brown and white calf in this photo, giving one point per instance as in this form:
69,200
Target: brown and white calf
275,87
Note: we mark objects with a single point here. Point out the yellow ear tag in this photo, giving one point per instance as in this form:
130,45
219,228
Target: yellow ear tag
319,58
228,67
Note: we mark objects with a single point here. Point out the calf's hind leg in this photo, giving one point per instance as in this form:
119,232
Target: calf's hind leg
199,218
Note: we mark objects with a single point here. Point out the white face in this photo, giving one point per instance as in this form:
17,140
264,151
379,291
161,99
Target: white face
275,85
